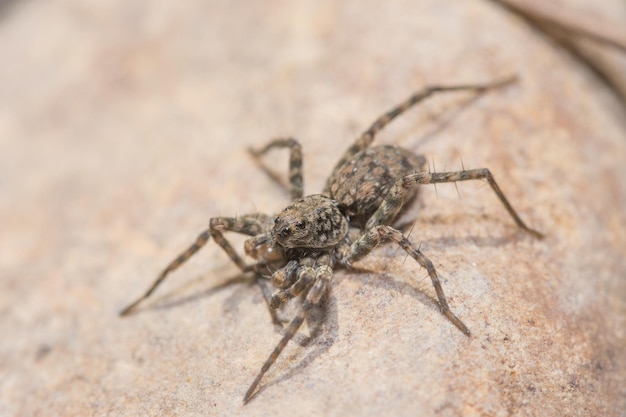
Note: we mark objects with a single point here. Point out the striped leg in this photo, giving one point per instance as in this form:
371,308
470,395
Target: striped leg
295,163
379,234
251,224
323,275
293,279
392,203
367,137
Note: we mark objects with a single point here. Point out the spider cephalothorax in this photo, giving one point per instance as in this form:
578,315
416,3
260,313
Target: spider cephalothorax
363,196
312,222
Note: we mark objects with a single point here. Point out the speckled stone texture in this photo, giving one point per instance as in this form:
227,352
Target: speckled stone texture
124,127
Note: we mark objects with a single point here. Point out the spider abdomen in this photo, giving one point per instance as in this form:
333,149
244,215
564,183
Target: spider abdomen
362,183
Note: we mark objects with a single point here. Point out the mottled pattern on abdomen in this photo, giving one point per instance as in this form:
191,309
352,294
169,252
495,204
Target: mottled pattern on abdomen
362,183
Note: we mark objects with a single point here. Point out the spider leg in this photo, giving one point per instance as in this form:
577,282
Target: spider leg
373,237
250,224
295,284
323,276
392,203
284,277
295,163
367,137
267,296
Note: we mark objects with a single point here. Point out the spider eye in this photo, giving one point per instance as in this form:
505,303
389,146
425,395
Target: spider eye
301,224
285,232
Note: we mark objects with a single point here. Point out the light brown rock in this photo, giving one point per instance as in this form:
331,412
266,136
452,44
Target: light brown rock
124,127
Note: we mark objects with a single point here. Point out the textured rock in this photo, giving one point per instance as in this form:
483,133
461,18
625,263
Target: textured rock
123,129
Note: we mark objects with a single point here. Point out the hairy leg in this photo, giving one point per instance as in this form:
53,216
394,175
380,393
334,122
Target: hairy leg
367,137
379,234
392,203
293,280
323,276
295,163
250,224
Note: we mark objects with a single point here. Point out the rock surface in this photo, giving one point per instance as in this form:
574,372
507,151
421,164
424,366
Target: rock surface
124,127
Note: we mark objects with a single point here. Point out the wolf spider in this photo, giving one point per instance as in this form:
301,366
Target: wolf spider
363,196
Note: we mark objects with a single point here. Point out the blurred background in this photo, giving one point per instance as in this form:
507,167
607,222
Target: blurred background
124,128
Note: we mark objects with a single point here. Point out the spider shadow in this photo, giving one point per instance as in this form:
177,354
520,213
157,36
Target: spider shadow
323,327
273,175
476,240
384,280
440,122
171,299
446,241
444,119
321,320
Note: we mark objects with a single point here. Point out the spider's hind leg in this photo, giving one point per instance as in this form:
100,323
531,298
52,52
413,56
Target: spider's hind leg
392,203
379,124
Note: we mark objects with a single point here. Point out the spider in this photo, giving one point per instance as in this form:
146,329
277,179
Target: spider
315,234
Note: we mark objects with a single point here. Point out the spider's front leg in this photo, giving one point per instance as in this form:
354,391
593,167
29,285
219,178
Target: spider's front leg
379,234
292,280
319,276
392,203
295,163
249,224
